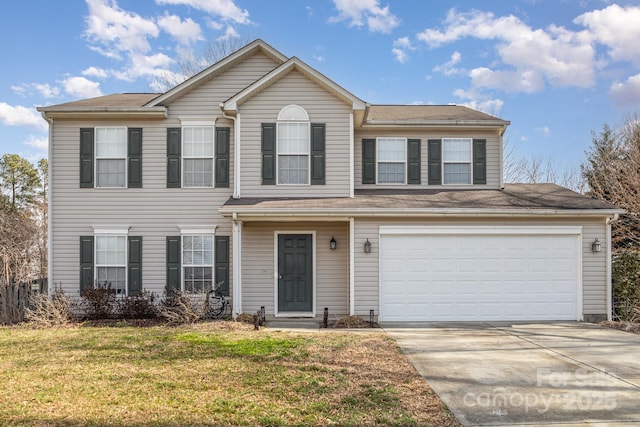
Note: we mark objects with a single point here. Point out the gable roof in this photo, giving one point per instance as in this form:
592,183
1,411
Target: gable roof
514,200
279,72
224,64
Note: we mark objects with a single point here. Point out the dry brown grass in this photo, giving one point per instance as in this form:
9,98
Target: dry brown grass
216,373
632,327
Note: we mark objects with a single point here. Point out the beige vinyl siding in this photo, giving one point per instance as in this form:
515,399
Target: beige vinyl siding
322,107
493,154
152,212
332,267
593,264
204,101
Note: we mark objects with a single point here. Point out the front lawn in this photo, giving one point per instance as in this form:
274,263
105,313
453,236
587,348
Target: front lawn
218,373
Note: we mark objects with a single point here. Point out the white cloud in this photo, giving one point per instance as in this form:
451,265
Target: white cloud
19,90
358,12
510,81
617,28
46,90
145,66
448,68
226,9
229,33
18,115
544,130
95,72
81,87
626,93
39,142
400,48
186,32
215,25
560,56
480,102
117,30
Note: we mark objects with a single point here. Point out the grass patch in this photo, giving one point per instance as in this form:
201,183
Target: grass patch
208,374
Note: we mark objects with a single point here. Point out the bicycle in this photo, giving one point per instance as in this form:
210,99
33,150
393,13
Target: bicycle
216,304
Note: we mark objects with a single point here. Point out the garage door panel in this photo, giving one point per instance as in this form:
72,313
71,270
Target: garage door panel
478,277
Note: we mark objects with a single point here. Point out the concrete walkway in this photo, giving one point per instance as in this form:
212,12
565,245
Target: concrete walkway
529,374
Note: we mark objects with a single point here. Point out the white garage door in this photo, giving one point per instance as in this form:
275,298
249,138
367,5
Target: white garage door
481,274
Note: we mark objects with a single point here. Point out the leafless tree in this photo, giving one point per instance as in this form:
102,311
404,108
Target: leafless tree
191,64
612,171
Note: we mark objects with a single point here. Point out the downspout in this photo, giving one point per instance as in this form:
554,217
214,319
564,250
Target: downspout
236,152
49,211
608,268
237,266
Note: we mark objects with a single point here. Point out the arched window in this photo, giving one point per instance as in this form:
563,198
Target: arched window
293,134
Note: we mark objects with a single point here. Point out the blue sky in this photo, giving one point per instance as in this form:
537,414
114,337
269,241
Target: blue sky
557,69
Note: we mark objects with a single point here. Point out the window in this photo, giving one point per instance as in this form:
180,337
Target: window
111,156
111,262
392,158
293,136
456,160
197,149
197,262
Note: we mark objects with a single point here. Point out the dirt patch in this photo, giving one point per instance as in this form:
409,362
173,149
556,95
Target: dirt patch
351,322
623,326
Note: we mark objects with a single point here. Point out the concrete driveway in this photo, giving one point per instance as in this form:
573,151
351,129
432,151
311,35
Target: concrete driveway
528,374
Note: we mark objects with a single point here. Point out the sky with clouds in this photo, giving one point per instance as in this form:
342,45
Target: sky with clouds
557,69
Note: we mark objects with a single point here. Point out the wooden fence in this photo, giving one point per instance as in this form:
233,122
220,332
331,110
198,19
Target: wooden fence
13,300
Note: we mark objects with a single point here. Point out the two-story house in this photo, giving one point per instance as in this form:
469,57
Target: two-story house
262,174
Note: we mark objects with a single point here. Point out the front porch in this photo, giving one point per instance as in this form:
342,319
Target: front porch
292,269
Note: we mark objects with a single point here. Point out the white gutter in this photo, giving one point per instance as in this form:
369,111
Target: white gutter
608,268
49,197
403,213
352,164
236,151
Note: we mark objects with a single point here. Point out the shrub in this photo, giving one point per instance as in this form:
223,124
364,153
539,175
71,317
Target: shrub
137,306
625,280
99,302
45,311
179,308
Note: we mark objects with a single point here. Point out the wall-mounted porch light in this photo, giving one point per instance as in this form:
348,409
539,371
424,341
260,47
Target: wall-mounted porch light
367,247
596,246
332,243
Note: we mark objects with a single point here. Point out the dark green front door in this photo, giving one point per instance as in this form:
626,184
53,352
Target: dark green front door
295,268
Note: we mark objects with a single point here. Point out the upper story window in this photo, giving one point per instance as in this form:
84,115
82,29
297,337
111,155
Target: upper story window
111,156
456,160
293,145
392,160
197,158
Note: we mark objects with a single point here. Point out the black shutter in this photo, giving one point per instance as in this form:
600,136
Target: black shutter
222,157
479,161
134,264
222,264
86,158
268,154
435,161
413,161
134,157
173,264
86,263
368,161
174,138
318,154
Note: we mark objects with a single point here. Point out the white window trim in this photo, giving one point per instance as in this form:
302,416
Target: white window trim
298,115
197,124
197,230
404,162
470,161
112,233
96,158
